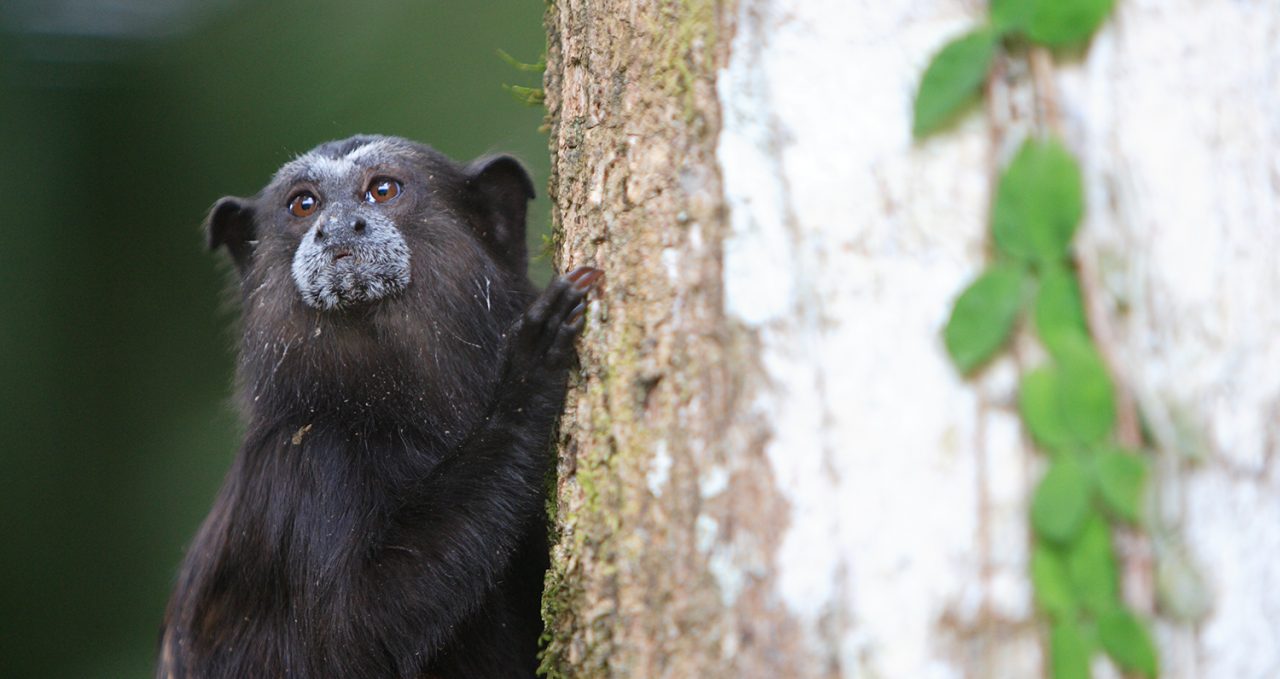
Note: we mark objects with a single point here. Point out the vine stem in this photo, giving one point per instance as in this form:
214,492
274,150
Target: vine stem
1048,114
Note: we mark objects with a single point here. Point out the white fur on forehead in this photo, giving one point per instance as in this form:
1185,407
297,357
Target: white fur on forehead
322,166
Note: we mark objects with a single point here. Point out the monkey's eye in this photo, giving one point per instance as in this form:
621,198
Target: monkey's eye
303,205
381,190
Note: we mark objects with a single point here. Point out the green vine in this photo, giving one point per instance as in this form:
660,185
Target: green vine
1068,404
529,96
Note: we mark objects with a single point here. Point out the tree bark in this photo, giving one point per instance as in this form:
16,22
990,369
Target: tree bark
768,466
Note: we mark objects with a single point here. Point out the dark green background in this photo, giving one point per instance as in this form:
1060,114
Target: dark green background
116,134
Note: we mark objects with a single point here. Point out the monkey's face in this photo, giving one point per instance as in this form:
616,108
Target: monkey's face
342,212
352,251
345,219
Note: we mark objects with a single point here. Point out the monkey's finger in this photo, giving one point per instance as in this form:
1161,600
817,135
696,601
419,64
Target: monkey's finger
584,280
562,347
538,326
541,309
578,311
562,300
563,307
585,277
579,272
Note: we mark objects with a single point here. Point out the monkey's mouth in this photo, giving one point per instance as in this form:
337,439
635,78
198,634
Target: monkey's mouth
346,272
350,275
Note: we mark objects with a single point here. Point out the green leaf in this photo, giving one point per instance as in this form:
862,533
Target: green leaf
1039,203
1068,652
1091,564
1059,23
1051,583
1070,402
1085,396
1059,309
1122,477
539,67
1011,15
529,96
1061,501
1127,642
1038,401
953,79
983,316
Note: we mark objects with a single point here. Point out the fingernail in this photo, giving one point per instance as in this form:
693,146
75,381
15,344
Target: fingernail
577,312
589,279
578,273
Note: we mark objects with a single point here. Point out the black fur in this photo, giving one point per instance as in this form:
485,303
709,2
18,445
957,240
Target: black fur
384,516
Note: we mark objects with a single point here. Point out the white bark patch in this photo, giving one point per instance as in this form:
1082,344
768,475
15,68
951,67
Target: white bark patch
659,468
847,245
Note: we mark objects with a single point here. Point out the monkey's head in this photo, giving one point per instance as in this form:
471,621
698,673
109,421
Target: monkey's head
349,220
376,268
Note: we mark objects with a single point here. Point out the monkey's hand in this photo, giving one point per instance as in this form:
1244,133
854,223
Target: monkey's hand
542,342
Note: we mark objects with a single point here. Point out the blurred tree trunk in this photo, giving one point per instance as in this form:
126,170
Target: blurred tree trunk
768,467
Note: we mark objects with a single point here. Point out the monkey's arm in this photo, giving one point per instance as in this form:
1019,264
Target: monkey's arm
468,517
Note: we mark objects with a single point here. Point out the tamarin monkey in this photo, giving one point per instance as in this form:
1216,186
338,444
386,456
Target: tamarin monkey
400,378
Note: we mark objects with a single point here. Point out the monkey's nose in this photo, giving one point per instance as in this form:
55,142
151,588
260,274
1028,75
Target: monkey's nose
338,232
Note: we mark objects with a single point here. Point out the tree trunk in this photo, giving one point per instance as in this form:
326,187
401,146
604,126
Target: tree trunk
768,466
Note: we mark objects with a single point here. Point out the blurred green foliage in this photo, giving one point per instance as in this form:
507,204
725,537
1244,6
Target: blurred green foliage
116,337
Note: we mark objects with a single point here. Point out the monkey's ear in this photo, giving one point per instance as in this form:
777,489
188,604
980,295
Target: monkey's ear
499,190
230,223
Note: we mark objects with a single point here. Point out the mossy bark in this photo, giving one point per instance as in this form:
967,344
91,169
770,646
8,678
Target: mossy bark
641,499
